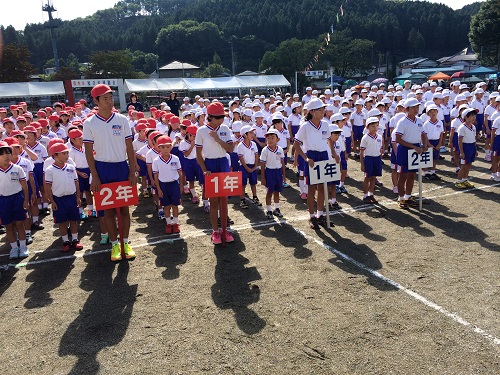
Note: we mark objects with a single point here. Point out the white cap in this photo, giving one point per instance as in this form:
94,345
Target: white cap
412,102
334,128
407,81
367,86
277,116
469,110
460,97
380,104
295,95
390,95
315,103
494,94
296,105
258,114
328,92
163,104
374,112
336,117
273,131
434,84
432,106
437,95
425,84
280,108
371,120
244,129
337,98
359,102
309,88
248,112
315,92
236,126
455,83
386,101
463,86
479,91
236,110
345,110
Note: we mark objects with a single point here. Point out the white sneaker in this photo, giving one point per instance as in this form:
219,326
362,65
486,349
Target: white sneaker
23,252
14,253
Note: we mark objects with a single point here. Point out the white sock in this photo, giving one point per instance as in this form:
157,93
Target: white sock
341,183
176,220
168,220
65,238
401,198
90,207
39,206
80,209
125,240
276,205
35,219
193,192
334,200
268,207
365,195
302,185
406,197
74,236
45,205
311,216
319,214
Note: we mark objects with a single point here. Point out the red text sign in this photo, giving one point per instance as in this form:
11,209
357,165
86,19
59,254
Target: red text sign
116,194
223,184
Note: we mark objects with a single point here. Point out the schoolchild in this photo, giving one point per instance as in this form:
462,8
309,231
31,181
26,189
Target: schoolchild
167,171
63,192
272,163
249,160
435,131
192,171
371,148
467,146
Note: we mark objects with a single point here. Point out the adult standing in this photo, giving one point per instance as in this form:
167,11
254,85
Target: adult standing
135,103
109,135
173,103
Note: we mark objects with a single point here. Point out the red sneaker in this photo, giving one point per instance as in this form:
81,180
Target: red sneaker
169,229
77,245
176,228
65,247
216,239
229,237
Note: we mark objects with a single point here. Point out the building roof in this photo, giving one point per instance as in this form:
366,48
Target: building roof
177,65
467,54
413,61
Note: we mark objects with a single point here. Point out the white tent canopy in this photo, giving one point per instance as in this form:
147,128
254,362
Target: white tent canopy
28,89
200,84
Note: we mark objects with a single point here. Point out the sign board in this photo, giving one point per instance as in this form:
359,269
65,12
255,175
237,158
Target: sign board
416,161
115,195
93,82
314,73
223,184
324,171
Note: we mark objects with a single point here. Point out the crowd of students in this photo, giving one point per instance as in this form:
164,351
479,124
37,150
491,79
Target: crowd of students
61,155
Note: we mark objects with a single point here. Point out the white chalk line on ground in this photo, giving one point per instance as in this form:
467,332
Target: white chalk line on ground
309,238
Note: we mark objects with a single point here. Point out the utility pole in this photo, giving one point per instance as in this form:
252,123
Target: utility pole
233,65
49,8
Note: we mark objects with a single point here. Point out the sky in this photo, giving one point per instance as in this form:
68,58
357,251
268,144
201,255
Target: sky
30,11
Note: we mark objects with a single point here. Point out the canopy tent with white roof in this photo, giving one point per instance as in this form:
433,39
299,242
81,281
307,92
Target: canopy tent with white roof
29,89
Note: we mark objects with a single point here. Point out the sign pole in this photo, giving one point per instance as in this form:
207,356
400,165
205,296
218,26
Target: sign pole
327,208
120,230
223,218
420,189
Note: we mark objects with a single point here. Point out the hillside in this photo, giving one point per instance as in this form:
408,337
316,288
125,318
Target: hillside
255,27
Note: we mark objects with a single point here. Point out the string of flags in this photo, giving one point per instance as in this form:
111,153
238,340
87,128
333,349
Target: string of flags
327,40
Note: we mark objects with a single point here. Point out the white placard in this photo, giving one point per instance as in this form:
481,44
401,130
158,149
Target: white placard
416,161
324,171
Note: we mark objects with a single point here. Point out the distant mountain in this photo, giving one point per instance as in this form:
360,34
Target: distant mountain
255,26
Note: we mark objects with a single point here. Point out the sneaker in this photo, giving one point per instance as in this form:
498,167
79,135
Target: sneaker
146,194
443,149
104,239
322,220
412,202
229,238
14,253
428,176
161,215
216,238
116,252
176,228
29,239
487,158
468,184
46,211
334,206
460,185
277,213
186,190
37,225
303,196
395,190
286,185
269,215
402,204
83,216
243,203
169,229
256,201
441,157
206,208
129,252
313,223
372,199
75,244
195,200
92,213
338,190
2,229
378,183
343,190
367,200
65,246
23,252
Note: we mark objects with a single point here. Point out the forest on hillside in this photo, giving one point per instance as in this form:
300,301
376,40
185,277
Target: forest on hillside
195,30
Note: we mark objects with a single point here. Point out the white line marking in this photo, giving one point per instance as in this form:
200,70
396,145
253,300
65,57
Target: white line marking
398,286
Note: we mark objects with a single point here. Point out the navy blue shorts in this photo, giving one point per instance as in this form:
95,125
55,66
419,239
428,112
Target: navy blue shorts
37,188
394,160
496,146
274,180
402,158
348,144
357,132
193,171
469,153
112,172
373,166
295,129
171,193
250,178
259,149
11,208
301,164
38,173
447,119
479,122
175,151
67,209
484,129
217,165
316,156
143,168
343,161
84,183
235,162
455,141
435,153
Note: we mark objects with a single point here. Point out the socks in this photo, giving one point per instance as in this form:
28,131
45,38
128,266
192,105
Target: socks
341,183
35,219
205,203
302,186
334,200
276,205
268,207
13,245
74,237
125,240
168,220
406,197
193,192
45,205
114,242
319,214
65,238
176,220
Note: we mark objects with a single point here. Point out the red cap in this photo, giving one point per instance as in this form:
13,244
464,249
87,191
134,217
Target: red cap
140,114
64,113
54,141
28,115
13,107
53,118
186,122
99,90
175,120
48,109
20,118
6,120
151,123
36,125
159,114
30,129
58,147
192,129
142,121
3,110
153,109
41,114
11,141
153,135
75,133
22,103
83,101
215,109
43,122
77,105
169,115
140,126
76,123
17,133
163,140
3,145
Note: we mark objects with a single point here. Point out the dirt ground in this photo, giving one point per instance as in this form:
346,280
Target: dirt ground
282,299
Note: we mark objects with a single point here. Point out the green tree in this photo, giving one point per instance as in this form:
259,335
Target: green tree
484,31
216,69
15,65
111,64
416,41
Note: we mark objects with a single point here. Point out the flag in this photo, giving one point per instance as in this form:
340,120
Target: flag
341,11
338,20
328,36
331,28
326,41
